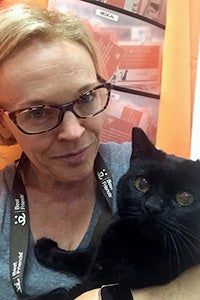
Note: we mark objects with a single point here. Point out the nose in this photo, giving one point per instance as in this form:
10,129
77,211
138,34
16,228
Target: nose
153,204
70,127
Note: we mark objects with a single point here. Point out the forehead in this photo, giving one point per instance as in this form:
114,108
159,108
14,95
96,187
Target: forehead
45,71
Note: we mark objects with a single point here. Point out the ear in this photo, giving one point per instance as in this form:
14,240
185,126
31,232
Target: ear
142,147
6,136
198,163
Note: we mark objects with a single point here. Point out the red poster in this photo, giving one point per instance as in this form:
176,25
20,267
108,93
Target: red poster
118,3
111,53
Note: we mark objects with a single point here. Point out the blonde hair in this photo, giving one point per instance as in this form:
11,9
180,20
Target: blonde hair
20,24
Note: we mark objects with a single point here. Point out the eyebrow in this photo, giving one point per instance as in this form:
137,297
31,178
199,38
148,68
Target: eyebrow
82,90
88,87
36,102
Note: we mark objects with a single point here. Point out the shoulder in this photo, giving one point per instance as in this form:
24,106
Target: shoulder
7,175
6,182
111,148
115,154
116,157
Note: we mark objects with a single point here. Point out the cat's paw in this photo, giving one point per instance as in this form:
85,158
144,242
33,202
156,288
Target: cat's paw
44,249
46,244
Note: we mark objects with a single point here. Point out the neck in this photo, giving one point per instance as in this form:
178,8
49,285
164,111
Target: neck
55,189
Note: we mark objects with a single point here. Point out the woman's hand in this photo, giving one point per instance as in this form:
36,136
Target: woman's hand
91,295
184,287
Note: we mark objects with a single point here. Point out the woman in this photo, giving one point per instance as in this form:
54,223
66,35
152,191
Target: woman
53,105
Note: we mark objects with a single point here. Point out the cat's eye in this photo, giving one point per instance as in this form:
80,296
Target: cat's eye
184,198
142,184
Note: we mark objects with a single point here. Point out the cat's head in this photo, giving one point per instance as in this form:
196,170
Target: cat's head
159,190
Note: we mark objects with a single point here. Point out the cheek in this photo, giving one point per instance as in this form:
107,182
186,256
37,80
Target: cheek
95,124
32,144
27,142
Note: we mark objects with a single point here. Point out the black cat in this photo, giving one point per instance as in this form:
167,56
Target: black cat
157,234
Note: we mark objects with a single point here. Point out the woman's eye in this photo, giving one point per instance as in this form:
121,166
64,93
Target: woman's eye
37,113
142,184
184,198
87,98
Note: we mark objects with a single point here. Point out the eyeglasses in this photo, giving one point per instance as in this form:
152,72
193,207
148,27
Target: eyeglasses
41,118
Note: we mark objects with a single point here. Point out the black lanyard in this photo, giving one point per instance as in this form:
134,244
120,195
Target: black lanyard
20,223
19,231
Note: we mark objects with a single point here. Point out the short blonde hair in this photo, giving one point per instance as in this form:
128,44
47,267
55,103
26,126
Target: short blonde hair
20,24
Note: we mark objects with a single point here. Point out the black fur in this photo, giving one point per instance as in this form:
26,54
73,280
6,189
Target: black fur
157,234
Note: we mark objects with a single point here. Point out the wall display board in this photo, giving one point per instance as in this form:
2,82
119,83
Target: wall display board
127,110
152,9
195,142
129,35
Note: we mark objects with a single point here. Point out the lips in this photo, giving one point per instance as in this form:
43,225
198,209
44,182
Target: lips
73,157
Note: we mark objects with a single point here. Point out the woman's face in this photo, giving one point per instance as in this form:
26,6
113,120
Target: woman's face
54,73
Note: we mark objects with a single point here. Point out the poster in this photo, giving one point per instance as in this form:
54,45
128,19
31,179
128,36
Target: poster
130,47
152,9
129,35
126,111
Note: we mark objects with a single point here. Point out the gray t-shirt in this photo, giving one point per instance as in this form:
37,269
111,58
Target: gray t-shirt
39,279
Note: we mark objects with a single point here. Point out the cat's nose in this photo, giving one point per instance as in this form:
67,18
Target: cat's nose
153,204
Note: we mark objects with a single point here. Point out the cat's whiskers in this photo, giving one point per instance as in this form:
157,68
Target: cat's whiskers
180,236
176,250
185,252
166,245
170,254
180,229
185,234
187,248
176,241
168,242
188,232
181,242
188,245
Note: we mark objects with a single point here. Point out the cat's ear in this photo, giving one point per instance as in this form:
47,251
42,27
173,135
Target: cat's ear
142,147
198,163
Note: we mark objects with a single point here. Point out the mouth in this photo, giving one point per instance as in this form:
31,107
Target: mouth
74,157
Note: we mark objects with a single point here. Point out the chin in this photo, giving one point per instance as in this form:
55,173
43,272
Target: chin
76,173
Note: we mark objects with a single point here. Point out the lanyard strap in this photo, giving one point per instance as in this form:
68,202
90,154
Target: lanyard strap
20,222
105,183
19,231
